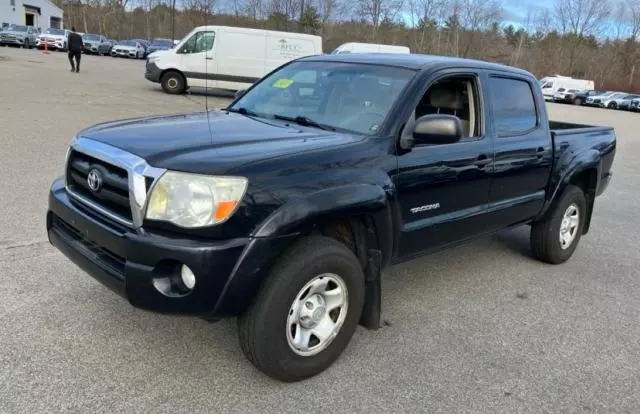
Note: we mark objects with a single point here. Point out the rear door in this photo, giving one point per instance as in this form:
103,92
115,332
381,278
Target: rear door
523,150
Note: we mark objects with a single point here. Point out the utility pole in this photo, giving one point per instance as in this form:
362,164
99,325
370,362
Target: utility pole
173,21
300,27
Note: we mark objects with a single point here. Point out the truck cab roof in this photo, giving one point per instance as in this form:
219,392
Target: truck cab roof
415,61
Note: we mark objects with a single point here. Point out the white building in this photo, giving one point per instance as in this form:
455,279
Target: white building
37,13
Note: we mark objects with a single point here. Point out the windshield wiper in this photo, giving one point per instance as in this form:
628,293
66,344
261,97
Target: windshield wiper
242,111
304,121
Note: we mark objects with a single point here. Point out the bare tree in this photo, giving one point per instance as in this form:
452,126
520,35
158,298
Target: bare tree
580,18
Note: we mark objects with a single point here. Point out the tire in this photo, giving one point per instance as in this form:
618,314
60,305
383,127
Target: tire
173,82
265,329
612,105
545,237
577,101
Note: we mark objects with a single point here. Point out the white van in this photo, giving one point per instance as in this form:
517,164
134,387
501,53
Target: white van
551,84
226,57
369,48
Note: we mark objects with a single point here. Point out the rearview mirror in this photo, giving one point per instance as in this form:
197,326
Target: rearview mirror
240,92
437,129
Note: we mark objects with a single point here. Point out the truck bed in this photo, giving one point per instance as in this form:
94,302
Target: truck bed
566,128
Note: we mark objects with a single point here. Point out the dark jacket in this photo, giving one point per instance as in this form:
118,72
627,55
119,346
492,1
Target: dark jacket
75,42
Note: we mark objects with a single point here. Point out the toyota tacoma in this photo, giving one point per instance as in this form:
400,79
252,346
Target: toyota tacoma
284,207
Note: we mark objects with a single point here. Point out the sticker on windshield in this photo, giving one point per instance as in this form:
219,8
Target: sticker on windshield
282,83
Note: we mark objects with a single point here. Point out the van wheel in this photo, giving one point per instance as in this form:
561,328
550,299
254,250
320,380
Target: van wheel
554,239
306,312
173,82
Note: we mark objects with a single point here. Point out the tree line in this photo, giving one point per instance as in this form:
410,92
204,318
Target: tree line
591,39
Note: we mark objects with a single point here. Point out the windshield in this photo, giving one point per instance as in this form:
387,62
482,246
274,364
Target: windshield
18,28
55,32
162,43
91,37
126,43
352,97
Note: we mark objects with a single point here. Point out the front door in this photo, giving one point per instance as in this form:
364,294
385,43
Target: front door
197,59
443,189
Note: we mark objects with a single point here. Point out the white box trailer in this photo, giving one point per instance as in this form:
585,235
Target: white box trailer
225,57
354,47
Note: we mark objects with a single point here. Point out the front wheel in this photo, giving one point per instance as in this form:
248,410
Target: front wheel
577,101
613,105
306,312
554,239
173,82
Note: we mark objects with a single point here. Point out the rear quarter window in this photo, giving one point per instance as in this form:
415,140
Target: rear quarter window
514,108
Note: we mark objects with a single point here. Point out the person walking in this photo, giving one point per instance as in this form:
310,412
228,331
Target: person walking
74,45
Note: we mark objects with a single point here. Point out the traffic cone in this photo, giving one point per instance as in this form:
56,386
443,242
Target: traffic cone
46,49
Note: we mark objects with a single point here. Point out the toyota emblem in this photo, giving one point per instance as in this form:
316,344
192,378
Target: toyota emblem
94,179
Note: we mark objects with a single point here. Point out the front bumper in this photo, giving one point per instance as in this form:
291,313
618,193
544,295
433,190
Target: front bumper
152,72
12,41
123,53
57,44
228,272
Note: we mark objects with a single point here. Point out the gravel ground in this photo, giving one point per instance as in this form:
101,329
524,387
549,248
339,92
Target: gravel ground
479,328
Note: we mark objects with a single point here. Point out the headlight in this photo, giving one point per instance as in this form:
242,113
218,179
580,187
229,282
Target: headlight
195,200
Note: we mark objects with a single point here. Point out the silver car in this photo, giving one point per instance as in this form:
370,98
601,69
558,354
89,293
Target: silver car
19,35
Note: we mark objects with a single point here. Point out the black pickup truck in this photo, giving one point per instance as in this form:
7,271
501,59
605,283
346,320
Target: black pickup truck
284,207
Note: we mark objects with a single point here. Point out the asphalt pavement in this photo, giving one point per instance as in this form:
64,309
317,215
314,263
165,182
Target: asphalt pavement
479,328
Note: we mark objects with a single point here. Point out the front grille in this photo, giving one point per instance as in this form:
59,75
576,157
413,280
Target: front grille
104,256
113,196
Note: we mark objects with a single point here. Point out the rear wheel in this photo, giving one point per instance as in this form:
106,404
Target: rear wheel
306,312
554,239
173,82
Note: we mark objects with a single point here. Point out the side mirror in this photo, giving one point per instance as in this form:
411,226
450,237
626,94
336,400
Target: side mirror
239,93
437,129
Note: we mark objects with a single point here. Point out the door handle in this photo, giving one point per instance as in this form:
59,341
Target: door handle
540,152
209,58
482,161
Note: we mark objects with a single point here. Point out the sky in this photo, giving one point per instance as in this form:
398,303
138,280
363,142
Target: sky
515,11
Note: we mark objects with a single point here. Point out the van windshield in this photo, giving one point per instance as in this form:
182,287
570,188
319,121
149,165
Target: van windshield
347,96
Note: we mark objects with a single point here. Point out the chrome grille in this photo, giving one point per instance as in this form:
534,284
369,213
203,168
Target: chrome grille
126,180
114,194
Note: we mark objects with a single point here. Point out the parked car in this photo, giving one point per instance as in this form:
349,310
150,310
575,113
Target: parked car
621,103
598,100
19,35
96,44
284,207
56,39
145,45
581,97
159,44
565,96
614,101
634,106
240,57
129,49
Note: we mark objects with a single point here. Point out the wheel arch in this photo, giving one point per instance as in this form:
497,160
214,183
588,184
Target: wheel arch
583,173
358,216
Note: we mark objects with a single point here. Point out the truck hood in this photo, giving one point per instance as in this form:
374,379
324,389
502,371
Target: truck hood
193,143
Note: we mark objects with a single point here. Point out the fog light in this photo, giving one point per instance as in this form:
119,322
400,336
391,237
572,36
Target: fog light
188,278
